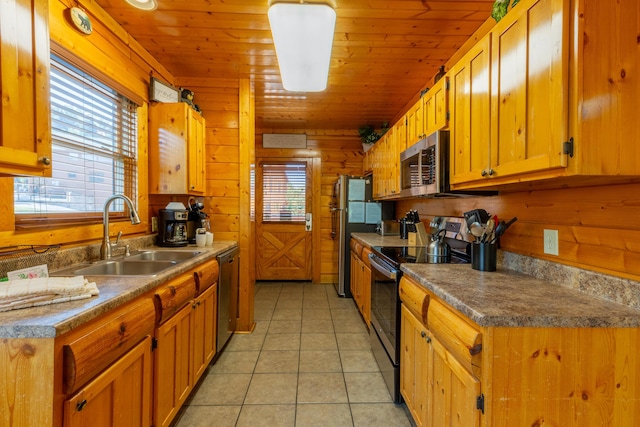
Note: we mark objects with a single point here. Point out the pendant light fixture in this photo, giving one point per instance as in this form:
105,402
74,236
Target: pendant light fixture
303,37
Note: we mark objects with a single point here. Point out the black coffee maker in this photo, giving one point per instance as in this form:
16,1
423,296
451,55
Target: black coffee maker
196,218
172,228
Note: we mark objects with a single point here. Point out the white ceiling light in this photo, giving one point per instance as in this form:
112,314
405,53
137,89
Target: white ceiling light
144,4
303,36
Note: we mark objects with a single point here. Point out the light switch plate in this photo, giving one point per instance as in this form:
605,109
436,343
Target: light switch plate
551,242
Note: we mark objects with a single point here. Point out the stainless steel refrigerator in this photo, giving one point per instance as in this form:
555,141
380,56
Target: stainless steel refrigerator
353,210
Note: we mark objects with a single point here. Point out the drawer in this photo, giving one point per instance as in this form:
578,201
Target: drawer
174,295
365,256
106,341
415,298
456,334
207,275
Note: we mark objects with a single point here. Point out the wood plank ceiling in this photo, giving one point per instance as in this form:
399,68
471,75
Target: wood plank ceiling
384,53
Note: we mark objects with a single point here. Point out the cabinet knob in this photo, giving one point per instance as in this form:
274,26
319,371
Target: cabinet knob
428,340
80,405
491,172
483,173
45,160
423,334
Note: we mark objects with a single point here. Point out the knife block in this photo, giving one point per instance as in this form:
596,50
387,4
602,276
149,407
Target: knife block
419,237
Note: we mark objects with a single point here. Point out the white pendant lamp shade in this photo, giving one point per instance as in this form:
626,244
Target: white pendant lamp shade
303,36
144,4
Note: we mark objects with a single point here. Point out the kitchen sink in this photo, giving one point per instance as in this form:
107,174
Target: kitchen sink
117,268
153,255
147,263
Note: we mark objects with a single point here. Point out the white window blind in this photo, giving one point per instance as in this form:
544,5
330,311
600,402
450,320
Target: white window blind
94,139
284,192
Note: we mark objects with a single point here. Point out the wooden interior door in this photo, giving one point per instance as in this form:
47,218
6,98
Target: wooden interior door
283,242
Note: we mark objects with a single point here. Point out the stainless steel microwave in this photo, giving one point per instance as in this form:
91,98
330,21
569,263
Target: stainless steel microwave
424,167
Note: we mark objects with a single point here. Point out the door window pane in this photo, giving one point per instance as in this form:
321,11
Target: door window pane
284,189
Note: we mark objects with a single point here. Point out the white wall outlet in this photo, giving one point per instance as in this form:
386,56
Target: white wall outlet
551,242
154,224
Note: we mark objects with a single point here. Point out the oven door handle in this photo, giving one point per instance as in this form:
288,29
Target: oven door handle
383,270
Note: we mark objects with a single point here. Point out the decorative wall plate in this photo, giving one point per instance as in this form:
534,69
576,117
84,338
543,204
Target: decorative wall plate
80,20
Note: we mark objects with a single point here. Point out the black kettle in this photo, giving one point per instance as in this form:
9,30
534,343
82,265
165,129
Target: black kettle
438,251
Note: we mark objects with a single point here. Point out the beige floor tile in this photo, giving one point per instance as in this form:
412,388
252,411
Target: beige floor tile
321,388
245,342
323,415
278,362
235,362
358,361
267,416
262,314
316,314
350,326
290,297
349,314
366,387
315,304
379,415
289,304
353,341
265,304
287,314
320,361
272,389
285,327
221,389
282,342
319,341
344,303
203,416
311,326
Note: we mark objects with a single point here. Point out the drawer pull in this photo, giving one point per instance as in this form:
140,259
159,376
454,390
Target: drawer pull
476,349
80,405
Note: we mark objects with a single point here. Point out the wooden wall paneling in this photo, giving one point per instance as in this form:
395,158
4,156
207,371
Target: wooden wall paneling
316,269
7,217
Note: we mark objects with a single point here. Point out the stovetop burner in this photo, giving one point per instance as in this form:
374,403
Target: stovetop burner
397,255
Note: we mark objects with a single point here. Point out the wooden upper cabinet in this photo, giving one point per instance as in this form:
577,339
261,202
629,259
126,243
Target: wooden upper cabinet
415,123
25,119
510,97
529,90
436,107
176,149
470,131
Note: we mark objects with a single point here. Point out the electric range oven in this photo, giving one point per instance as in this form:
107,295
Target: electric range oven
385,304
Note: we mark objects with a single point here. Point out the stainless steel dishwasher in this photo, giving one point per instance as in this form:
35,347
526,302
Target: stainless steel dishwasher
228,278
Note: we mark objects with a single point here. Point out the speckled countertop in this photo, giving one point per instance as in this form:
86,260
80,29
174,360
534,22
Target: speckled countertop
55,319
507,297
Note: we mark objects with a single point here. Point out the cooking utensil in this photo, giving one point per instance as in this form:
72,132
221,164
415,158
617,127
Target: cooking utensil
488,230
477,230
501,228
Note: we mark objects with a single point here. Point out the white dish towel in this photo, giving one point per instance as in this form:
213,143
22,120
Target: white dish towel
15,294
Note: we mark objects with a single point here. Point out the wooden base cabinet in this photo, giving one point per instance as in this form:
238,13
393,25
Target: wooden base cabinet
456,373
119,396
360,285
185,339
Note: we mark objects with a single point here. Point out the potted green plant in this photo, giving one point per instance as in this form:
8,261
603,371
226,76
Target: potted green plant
370,136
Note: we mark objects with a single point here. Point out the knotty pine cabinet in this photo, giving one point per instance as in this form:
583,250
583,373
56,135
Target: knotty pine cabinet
25,118
436,107
119,396
540,94
455,372
360,283
186,338
439,361
176,149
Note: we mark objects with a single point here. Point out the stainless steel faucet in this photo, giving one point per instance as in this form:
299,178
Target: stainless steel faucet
105,248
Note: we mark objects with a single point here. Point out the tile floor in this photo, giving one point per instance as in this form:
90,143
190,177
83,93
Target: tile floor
308,363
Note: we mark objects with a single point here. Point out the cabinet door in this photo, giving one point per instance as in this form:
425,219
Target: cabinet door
414,365
454,390
529,90
470,81
197,155
415,123
172,371
168,134
25,118
436,106
353,276
119,396
204,330
366,293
